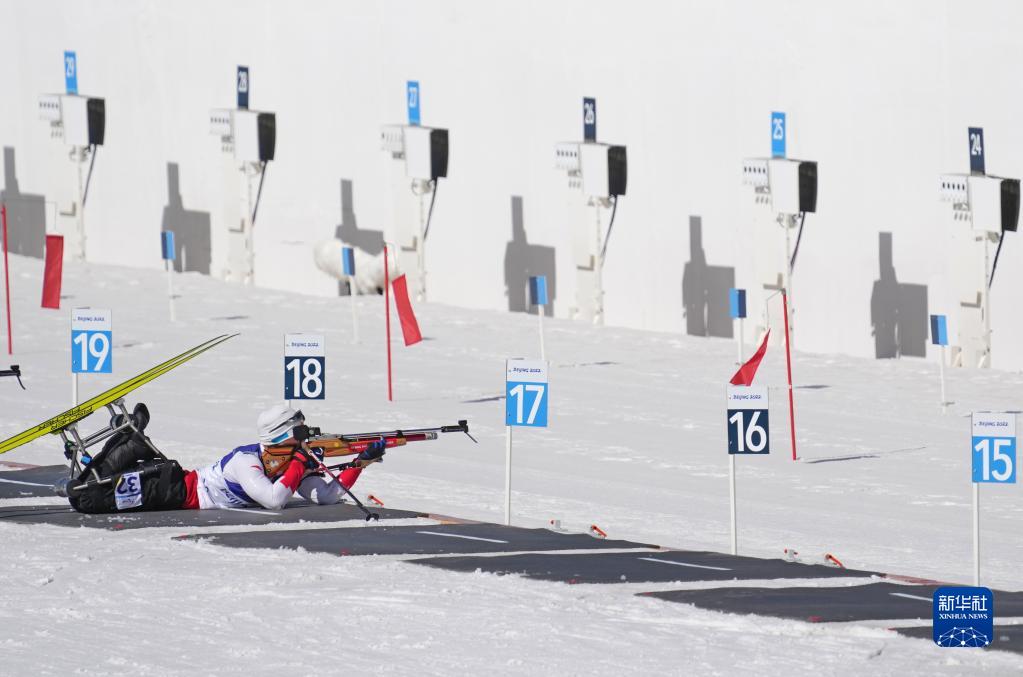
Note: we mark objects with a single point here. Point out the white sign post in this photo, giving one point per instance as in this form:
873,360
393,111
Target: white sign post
305,367
993,447
526,399
91,344
748,433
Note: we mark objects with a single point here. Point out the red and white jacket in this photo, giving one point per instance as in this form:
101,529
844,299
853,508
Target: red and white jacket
238,481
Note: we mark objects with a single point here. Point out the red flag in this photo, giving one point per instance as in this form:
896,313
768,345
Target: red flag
744,377
53,271
409,326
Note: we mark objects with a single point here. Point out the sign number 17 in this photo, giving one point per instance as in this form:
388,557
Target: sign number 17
518,392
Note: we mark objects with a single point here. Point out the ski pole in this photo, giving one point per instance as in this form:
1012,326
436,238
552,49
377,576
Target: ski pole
324,468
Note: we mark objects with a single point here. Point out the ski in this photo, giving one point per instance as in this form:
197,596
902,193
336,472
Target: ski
77,413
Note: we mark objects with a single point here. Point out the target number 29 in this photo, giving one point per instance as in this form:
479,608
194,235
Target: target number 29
304,378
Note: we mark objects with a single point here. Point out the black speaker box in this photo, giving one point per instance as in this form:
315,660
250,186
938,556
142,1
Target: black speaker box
438,153
95,111
617,170
807,187
266,128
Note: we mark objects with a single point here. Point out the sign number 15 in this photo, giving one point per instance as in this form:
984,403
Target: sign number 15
994,459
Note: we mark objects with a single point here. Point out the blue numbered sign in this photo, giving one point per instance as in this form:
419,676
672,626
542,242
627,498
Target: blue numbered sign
91,346
976,135
70,73
167,245
348,261
939,330
748,429
526,393
412,101
737,303
305,364
589,119
538,290
778,134
994,447
243,87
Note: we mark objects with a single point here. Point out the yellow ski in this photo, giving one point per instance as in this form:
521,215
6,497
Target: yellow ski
77,413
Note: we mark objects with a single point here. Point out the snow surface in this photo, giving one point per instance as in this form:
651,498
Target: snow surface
636,445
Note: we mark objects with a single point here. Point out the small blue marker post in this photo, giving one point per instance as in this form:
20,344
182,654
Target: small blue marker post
242,86
737,311
976,135
168,252
348,268
779,135
939,337
70,72
538,298
412,102
589,119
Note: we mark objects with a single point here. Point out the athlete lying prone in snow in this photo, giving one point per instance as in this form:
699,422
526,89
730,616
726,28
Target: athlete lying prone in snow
249,476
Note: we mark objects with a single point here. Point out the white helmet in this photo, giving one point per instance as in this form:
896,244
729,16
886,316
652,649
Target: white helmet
276,423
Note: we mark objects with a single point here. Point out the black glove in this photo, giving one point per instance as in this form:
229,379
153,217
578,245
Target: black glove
311,459
374,451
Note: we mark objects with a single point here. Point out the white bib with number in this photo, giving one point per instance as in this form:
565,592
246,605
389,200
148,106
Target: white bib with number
129,491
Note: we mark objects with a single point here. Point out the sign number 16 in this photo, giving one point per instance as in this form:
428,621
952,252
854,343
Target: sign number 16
747,431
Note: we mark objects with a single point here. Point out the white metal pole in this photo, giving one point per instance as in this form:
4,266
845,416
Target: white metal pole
787,219
941,370
731,497
541,311
507,474
249,226
351,298
74,390
79,159
170,287
598,268
421,249
987,304
742,340
976,534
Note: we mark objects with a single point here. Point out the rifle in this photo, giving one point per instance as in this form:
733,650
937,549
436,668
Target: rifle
336,444
15,370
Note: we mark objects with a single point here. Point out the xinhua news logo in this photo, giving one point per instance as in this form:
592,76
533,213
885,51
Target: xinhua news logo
963,617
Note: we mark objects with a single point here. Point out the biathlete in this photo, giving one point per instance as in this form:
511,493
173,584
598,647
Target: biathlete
130,475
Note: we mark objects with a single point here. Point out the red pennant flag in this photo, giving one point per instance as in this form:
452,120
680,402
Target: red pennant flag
409,326
744,377
53,271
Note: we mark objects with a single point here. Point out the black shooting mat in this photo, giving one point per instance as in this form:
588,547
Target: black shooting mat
871,602
31,481
415,540
1007,637
631,567
63,515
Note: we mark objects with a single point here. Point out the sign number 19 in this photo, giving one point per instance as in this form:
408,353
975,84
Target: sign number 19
95,345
